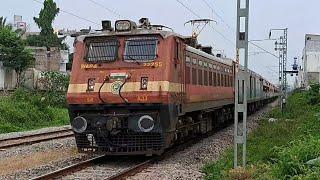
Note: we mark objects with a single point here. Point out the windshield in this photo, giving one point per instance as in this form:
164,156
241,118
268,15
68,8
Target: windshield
106,50
141,49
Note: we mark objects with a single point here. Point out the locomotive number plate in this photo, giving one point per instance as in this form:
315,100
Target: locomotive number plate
153,64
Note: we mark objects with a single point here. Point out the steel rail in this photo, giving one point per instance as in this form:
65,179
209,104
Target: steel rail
133,170
69,169
144,165
35,138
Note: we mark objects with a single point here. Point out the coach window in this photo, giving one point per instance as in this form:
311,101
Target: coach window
194,61
200,81
200,63
188,60
205,73
217,80
227,81
194,76
210,78
188,74
205,77
223,82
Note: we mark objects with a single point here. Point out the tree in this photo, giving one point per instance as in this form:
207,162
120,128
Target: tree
47,36
13,53
3,23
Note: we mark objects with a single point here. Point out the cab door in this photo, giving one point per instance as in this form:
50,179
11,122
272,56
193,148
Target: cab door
180,63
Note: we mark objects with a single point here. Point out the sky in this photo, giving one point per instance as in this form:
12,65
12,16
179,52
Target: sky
300,17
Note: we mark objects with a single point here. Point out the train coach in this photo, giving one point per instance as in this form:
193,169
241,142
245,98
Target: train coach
138,89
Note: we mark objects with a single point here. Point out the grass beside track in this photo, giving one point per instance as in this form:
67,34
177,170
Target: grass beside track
281,149
24,110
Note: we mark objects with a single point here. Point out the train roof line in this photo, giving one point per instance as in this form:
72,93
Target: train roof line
225,61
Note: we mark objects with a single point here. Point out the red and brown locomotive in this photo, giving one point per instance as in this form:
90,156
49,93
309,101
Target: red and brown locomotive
139,89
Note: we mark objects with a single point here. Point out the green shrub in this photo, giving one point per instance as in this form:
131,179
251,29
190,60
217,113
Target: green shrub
314,94
55,88
280,150
291,160
25,110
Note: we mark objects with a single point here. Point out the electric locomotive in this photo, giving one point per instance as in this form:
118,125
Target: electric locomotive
138,89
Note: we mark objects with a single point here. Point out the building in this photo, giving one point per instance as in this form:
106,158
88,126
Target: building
52,59
311,59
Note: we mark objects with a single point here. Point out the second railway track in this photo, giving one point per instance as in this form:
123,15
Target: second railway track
35,138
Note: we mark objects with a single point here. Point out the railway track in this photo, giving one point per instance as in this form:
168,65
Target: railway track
109,166
35,138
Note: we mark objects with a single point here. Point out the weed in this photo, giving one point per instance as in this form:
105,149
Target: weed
281,149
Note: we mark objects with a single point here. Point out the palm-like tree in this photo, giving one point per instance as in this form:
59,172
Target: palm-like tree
3,23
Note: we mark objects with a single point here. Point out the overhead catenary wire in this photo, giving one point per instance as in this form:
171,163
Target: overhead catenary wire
264,50
217,14
72,14
107,9
222,19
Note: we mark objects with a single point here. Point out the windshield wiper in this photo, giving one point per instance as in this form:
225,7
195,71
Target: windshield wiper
136,61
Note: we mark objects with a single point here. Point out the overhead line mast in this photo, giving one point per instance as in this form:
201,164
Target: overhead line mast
241,81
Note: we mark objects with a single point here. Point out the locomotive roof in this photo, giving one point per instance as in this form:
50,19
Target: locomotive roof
162,33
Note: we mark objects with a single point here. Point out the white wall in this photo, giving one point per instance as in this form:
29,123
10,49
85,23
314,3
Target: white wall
312,61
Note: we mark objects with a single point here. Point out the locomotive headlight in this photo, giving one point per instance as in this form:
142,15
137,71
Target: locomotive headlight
91,83
144,83
123,25
79,124
146,123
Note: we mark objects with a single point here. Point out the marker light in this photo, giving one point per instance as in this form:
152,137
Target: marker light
144,83
91,83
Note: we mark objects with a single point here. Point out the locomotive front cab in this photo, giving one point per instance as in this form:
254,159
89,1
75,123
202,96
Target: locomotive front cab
119,92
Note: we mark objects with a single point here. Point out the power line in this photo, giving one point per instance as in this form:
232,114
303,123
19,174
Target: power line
189,9
70,13
106,8
264,50
221,34
216,13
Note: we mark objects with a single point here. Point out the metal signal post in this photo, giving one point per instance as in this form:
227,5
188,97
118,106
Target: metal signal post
241,81
282,47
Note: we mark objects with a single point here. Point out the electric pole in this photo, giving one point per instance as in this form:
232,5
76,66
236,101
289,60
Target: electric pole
282,47
241,81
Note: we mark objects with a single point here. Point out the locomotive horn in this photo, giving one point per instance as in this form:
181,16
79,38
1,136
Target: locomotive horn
106,25
144,22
